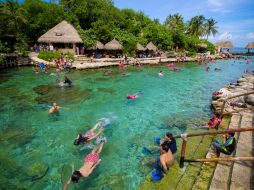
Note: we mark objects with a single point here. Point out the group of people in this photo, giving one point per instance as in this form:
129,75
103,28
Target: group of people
93,158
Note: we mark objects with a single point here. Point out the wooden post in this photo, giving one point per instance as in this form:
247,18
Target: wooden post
224,159
183,153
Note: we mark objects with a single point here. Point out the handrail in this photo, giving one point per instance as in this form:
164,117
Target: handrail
185,136
225,100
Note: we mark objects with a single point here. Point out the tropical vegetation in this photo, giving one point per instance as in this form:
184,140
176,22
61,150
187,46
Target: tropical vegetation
99,20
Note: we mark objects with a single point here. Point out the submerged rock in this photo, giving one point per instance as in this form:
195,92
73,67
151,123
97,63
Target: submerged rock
106,90
37,171
17,135
49,94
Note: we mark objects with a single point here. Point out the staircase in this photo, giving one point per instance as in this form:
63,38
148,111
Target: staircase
239,174
203,176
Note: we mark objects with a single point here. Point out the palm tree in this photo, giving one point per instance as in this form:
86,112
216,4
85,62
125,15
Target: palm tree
14,14
174,22
210,27
196,26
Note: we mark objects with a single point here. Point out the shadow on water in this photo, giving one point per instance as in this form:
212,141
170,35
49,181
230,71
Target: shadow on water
49,94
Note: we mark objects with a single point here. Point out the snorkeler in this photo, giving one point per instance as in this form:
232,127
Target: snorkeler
54,108
90,163
67,81
161,74
89,135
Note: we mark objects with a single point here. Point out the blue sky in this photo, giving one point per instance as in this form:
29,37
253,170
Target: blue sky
235,17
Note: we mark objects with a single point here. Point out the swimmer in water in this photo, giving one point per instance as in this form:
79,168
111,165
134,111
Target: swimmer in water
133,96
90,163
89,135
161,74
54,108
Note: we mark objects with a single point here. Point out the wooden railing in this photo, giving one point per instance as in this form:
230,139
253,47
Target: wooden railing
185,136
184,143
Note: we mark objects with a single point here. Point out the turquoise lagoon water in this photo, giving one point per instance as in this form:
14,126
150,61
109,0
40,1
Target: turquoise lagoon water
37,150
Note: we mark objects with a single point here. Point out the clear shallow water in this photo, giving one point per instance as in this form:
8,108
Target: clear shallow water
34,143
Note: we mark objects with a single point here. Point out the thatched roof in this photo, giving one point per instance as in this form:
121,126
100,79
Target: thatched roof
203,45
113,45
61,33
151,47
139,47
226,44
98,45
218,44
250,45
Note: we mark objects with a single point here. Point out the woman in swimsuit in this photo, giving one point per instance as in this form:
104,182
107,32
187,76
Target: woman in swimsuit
90,163
89,135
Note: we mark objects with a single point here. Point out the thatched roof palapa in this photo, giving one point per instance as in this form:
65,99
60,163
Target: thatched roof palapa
61,33
98,45
139,47
151,47
203,45
250,45
113,45
226,44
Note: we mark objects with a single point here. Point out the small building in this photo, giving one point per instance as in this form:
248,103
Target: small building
250,46
151,49
140,50
96,50
114,48
63,37
223,45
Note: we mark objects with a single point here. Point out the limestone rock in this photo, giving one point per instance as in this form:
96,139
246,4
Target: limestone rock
242,80
249,99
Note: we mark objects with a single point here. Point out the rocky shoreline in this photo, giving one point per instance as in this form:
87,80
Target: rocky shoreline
243,85
82,62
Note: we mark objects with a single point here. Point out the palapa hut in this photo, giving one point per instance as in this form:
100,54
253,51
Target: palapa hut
96,49
114,48
250,46
140,50
223,45
202,47
151,49
63,36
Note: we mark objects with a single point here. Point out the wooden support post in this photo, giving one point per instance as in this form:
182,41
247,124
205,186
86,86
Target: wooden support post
183,153
222,108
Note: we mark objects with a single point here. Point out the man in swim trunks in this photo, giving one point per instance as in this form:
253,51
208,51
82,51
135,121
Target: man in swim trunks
90,163
228,147
54,108
166,158
89,135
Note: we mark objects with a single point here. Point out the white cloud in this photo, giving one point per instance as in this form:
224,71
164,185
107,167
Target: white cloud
250,35
226,36
216,3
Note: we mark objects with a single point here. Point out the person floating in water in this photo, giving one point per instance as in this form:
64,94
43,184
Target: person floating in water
132,96
90,163
161,74
89,135
54,108
163,163
207,69
228,147
214,122
67,81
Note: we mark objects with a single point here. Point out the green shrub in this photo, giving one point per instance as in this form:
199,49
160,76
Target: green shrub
49,55
69,56
2,59
21,45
